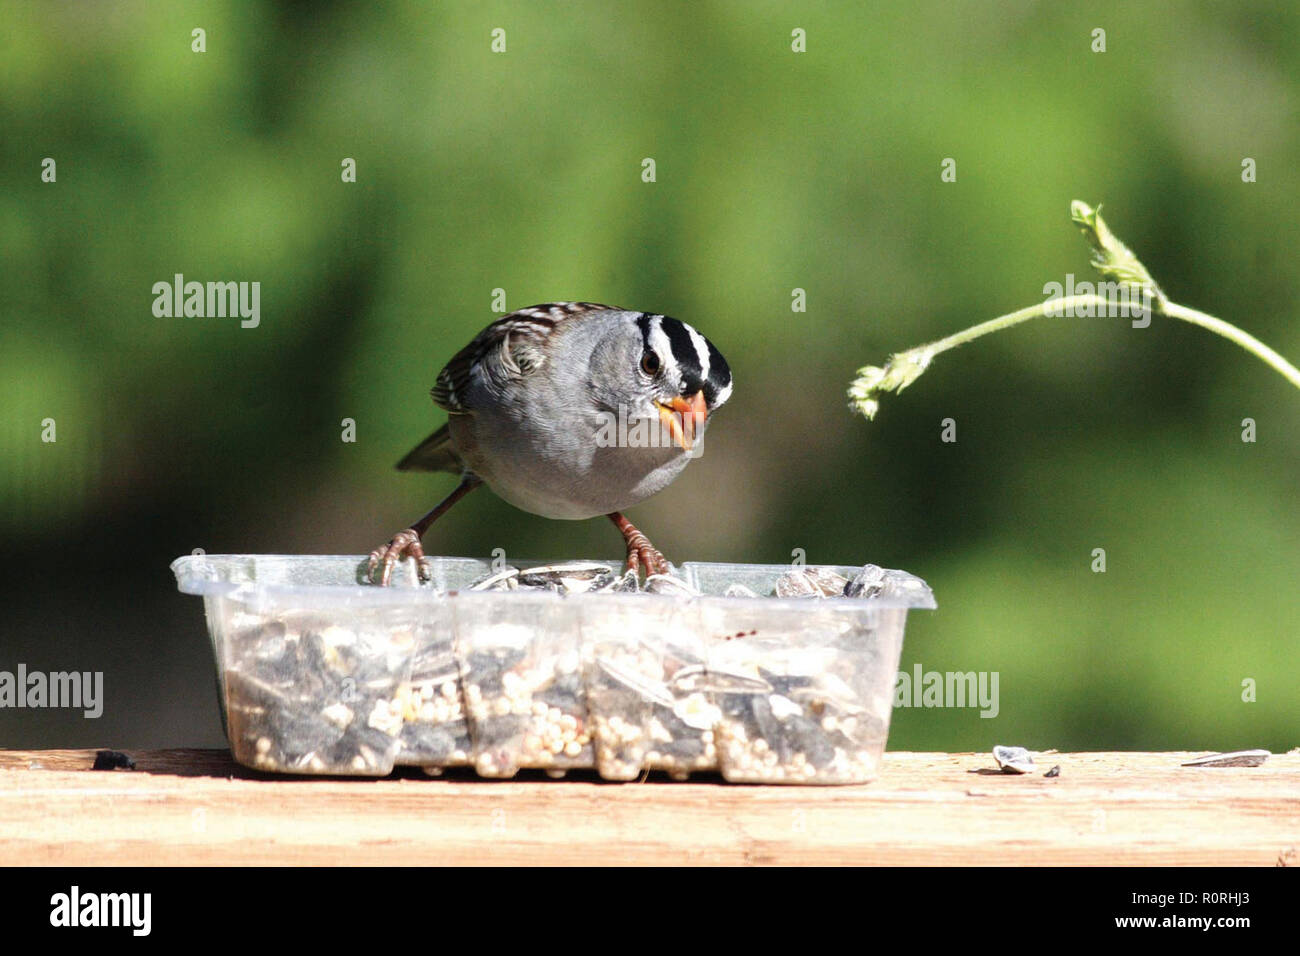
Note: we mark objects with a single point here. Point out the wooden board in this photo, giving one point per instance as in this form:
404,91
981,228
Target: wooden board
198,807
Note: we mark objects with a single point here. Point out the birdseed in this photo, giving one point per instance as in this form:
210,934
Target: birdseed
304,696
632,693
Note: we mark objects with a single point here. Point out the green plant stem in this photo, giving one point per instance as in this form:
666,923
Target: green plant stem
1171,310
1117,263
1233,334
1068,303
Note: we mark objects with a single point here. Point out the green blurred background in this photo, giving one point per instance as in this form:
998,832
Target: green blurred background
775,170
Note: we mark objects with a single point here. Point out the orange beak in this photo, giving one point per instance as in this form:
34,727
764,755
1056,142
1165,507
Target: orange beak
683,418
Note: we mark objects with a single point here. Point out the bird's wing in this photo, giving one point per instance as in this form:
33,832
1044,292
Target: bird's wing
505,349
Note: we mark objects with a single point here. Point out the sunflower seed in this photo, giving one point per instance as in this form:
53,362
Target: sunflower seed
649,689
666,584
627,584
575,578
1013,759
867,583
504,580
1235,758
811,582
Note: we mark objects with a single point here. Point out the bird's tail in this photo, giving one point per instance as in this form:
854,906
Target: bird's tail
433,454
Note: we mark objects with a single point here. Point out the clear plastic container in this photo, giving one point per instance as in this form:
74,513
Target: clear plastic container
521,669
633,650
320,673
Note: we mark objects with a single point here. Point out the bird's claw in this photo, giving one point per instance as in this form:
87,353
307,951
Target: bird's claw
405,544
640,552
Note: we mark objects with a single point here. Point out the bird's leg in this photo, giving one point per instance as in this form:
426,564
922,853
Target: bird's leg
406,544
639,549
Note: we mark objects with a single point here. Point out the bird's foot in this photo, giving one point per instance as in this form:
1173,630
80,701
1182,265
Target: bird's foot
640,552
405,544
644,554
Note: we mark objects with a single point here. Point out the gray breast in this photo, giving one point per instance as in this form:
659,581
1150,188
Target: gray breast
562,472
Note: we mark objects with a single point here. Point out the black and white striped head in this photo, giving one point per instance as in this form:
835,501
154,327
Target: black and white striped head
679,362
677,376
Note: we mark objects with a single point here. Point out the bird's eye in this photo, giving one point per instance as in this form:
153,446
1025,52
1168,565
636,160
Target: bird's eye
650,363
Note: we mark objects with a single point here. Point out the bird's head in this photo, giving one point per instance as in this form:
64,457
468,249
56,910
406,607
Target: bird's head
673,377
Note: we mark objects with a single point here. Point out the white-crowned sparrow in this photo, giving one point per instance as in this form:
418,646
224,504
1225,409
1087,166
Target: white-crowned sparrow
569,410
